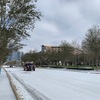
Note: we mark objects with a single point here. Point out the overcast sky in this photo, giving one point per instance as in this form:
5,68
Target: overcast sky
63,20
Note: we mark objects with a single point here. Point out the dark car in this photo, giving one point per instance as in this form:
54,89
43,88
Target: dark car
29,67
11,66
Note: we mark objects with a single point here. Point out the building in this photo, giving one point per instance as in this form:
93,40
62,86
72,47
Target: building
15,56
46,48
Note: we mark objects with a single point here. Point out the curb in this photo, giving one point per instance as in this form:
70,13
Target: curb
17,95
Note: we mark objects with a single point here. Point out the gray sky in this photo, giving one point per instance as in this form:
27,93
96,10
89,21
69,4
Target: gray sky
63,20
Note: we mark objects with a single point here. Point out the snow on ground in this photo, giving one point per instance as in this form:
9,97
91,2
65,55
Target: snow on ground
50,84
6,92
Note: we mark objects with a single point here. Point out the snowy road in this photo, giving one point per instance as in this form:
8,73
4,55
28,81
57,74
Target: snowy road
49,84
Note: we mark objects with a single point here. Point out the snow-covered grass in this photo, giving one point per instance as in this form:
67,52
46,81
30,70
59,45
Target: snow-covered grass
47,84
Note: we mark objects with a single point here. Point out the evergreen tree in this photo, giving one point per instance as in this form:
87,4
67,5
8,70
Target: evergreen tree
16,17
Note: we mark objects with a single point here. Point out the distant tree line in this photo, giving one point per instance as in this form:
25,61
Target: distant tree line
88,54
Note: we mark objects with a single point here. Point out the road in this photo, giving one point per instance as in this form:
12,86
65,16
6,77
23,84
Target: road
51,84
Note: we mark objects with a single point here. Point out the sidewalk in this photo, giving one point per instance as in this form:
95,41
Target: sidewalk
6,92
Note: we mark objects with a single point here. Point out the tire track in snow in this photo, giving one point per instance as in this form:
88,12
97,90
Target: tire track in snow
36,95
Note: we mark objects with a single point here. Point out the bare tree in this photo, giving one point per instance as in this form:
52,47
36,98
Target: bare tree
91,44
66,52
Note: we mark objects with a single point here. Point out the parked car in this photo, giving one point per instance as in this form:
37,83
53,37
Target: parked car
11,66
29,67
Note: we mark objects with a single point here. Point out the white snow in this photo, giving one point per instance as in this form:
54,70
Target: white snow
6,92
51,84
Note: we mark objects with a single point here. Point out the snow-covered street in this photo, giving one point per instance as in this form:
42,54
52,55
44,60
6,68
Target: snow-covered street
56,84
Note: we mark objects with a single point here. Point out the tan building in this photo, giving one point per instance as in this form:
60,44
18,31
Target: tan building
77,51
46,48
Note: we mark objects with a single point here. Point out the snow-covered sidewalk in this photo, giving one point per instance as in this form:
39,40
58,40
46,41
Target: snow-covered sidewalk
6,92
